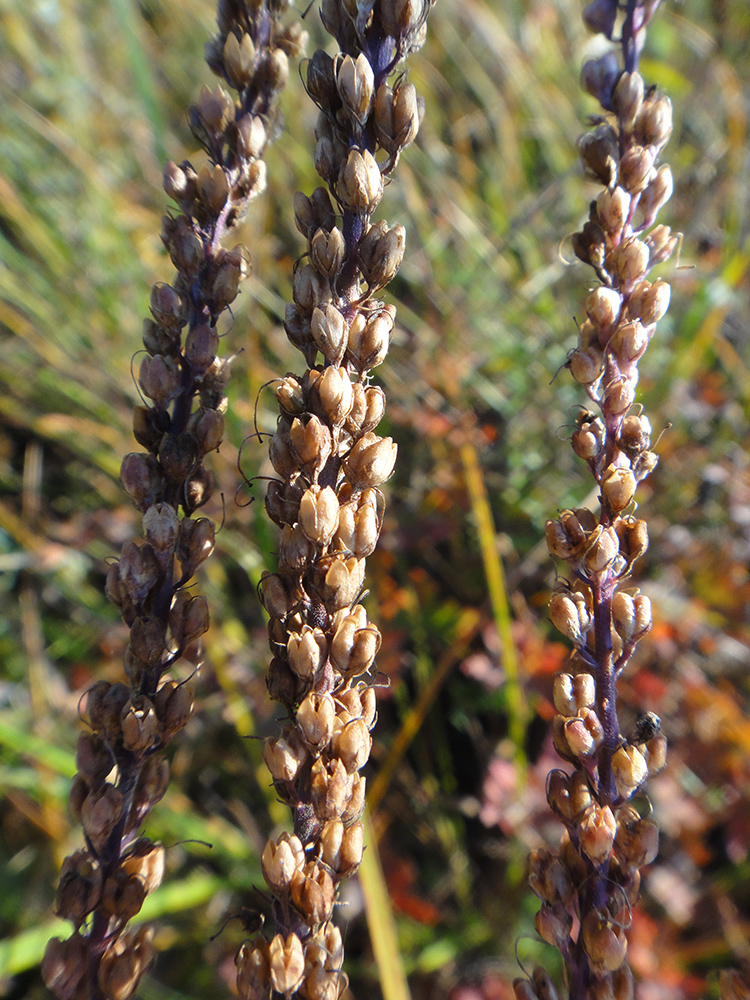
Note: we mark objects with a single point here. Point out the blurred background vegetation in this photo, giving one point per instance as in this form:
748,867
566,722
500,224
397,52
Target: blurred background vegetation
93,95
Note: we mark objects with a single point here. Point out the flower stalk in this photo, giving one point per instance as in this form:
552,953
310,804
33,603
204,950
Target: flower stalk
122,772
589,886
330,465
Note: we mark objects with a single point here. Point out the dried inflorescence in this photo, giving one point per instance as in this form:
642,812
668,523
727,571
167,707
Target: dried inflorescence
589,886
121,771
330,464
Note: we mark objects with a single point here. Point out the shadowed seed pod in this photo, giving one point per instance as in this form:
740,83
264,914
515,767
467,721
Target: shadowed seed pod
603,616
121,775
331,465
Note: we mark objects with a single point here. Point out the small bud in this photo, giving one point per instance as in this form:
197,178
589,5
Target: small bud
286,960
613,208
631,260
239,59
342,581
603,306
584,733
368,342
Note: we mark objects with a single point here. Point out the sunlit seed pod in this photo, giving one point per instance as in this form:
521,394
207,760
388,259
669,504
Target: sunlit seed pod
618,488
252,136
597,833
623,615
360,184
368,343
307,651
636,169
635,435
356,83
330,788
352,745
310,442
628,98
602,549
371,461
284,757
629,769
213,188
311,289
286,962
342,581
606,944
406,113
631,260
563,695
603,306
583,733
328,329
584,691
336,394
315,718
313,893
563,613
653,125
327,251
280,860
586,366
580,793
649,302
239,59
253,972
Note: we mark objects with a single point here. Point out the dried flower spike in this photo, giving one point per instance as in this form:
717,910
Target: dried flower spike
331,464
606,840
121,774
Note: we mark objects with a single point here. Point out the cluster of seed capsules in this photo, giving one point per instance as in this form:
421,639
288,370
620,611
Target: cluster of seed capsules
330,464
122,773
589,885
